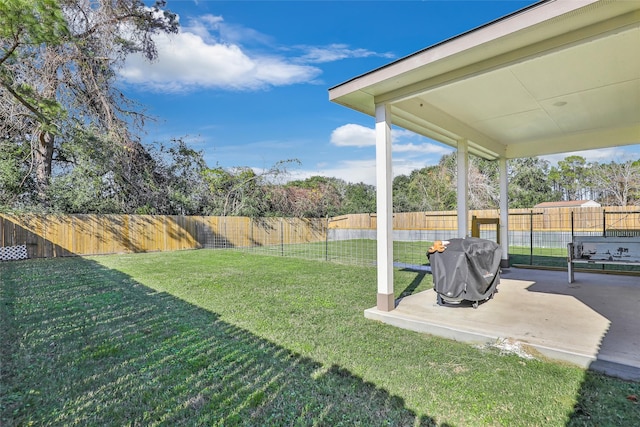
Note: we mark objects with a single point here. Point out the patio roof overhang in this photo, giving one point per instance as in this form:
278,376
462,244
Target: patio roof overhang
558,76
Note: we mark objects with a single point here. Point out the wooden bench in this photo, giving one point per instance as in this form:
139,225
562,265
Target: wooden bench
602,250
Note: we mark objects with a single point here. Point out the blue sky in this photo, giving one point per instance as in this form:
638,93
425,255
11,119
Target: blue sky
247,82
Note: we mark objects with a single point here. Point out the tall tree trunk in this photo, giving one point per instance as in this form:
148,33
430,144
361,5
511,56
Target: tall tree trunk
43,158
44,145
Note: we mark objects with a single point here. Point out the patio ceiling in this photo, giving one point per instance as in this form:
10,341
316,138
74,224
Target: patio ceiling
556,77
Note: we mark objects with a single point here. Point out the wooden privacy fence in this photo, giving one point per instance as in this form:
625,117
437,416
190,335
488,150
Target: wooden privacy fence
550,219
49,236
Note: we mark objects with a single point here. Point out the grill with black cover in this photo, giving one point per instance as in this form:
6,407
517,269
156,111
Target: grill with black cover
467,270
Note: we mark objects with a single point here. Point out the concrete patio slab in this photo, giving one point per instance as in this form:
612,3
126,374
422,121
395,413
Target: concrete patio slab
593,323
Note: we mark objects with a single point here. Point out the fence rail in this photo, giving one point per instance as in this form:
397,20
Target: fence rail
550,219
348,238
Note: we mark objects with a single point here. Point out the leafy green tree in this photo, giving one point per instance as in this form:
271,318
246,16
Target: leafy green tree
242,191
400,190
570,177
314,197
233,191
86,182
16,188
24,26
57,74
432,188
359,198
183,172
435,187
529,182
97,176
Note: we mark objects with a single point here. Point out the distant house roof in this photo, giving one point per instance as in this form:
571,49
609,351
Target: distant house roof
569,204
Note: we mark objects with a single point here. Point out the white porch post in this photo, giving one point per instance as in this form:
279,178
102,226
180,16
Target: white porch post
384,206
504,211
463,188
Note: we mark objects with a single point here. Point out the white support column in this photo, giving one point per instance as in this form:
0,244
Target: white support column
384,206
504,211
463,188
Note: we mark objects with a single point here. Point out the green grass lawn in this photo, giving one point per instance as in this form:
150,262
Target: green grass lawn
216,337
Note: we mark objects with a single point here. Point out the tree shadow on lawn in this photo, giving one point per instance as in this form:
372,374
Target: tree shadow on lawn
90,346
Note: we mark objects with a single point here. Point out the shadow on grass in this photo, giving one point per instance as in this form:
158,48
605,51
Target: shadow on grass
86,345
603,398
411,288
601,401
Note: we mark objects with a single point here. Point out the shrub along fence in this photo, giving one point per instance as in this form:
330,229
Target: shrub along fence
535,235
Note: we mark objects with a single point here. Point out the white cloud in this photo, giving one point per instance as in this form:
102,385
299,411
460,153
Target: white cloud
186,61
203,26
210,53
353,171
411,152
335,52
352,135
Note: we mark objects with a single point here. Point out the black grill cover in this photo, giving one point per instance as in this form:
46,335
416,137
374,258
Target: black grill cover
468,270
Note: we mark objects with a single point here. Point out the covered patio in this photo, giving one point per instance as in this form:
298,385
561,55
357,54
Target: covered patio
592,323
556,77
